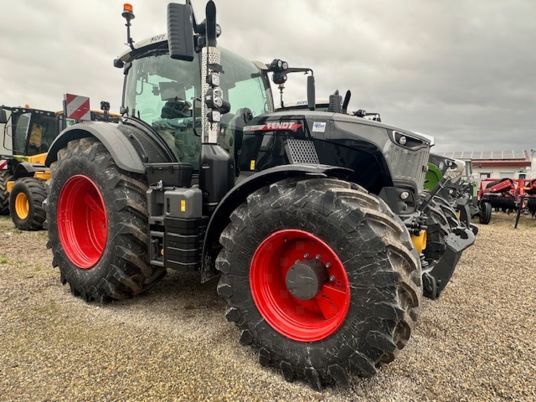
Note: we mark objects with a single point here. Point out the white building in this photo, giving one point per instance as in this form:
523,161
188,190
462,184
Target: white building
499,164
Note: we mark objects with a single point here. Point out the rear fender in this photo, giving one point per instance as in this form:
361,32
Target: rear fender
116,142
238,194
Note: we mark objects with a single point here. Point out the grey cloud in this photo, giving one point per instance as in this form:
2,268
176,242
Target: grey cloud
461,71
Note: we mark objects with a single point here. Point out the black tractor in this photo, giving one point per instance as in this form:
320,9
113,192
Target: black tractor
311,220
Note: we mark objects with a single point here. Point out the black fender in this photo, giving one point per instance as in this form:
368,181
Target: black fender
239,193
130,146
26,169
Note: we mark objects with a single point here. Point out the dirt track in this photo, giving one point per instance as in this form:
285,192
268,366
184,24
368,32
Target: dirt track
478,342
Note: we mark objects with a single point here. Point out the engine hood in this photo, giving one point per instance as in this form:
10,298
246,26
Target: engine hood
319,116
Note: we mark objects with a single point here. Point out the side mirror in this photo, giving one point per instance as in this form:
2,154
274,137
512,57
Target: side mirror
3,116
311,101
180,32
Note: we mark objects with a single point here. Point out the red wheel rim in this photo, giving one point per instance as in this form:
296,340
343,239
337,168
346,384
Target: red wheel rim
301,320
82,221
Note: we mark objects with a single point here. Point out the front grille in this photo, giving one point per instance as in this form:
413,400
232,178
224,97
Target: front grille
301,151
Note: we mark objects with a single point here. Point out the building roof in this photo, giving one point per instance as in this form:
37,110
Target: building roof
489,155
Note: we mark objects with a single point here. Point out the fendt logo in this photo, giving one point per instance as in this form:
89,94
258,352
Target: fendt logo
283,125
275,126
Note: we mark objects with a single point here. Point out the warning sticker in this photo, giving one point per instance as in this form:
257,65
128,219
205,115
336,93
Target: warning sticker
319,126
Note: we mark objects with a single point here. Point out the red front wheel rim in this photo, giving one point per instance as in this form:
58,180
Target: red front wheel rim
301,320
82,221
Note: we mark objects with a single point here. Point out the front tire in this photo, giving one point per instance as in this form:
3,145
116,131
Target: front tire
371,286
484,217
441,220
26,203
98,224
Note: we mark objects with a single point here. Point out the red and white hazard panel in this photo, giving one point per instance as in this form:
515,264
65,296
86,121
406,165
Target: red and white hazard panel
77,107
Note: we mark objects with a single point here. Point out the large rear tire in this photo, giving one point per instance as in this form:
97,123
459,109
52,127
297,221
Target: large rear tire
5,176
362,313
26,203
98,224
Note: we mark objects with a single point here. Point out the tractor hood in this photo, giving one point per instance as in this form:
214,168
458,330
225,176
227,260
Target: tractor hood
377,152
318,118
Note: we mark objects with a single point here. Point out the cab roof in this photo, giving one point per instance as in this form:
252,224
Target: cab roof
143,45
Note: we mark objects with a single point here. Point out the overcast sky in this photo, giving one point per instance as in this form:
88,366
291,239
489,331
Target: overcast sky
462,71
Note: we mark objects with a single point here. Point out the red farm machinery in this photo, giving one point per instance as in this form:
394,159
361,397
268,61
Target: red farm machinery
506,195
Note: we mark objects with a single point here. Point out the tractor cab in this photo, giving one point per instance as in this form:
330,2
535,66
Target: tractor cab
26,131
166,94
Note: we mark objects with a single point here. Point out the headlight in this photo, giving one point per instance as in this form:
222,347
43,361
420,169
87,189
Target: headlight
407,141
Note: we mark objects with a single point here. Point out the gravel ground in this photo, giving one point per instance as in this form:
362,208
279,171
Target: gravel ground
477,342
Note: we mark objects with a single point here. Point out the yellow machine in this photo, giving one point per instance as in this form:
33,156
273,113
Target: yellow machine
27,135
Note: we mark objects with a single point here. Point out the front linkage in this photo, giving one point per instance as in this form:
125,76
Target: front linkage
448,237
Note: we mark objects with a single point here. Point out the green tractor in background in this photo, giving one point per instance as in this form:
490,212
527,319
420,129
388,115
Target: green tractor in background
451,180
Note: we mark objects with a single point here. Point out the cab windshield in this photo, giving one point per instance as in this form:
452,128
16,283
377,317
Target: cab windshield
163,92
34,132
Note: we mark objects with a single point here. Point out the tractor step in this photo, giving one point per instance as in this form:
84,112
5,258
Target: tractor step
183,243
179,245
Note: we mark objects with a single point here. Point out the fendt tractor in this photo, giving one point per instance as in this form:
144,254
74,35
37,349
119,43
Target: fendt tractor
311,220
27,134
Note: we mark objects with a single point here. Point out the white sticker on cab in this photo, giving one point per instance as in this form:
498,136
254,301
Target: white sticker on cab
319,126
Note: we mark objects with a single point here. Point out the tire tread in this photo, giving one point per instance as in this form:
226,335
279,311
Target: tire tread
351,206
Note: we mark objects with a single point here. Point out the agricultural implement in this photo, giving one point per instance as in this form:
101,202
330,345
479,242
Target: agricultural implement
27,135
312,220
506,195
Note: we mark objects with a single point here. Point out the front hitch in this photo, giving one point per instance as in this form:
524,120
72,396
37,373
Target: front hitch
464,208
436,278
